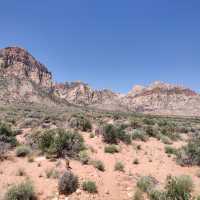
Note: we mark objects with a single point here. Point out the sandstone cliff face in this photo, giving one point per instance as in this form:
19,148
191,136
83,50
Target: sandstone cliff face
165,99
23,78
80,93
17,62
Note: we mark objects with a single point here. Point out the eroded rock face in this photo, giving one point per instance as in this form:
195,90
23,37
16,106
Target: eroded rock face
22,77
81,94
17,62
165,99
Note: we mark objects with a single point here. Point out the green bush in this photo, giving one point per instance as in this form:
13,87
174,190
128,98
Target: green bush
110,134
146,183
170,150
80,122
179,188
7,136
52,173
122,135
139,135
61,143
150,131
98,164
119,166
165,139
113,135
190,154
138,195
23,191
22,151
111,149
157,195
4,147
68,183
84,157
148,121
135,124
89,186
170,132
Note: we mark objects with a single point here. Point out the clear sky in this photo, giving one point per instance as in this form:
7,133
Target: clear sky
108,43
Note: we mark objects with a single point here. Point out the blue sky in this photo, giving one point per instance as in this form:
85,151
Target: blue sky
108,43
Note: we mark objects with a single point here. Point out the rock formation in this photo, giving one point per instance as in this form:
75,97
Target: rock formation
23,78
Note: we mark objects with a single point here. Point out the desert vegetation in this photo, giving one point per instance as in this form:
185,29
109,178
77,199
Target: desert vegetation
76,153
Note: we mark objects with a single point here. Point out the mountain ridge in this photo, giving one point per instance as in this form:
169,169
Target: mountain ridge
26,78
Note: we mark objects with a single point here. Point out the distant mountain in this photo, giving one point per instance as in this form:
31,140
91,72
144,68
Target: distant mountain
23,78
163,98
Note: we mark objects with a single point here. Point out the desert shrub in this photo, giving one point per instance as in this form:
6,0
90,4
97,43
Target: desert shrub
30,122
111,149
98,164
123,136
148,121
4,147
182,129
190,154
135,124
52,173
110,134
84,157
7,135
22,151
157,195
46,140
179,188
146,183
80,122
139,135
150,131
61,143
162,122
23,191
170,150
138,195
89,186
170,131
165,139
68,183
117,116
113,135
119,166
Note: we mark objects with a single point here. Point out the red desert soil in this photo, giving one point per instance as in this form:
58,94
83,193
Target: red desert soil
111,185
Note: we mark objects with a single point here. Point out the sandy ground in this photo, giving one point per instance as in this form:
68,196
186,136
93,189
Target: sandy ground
112,185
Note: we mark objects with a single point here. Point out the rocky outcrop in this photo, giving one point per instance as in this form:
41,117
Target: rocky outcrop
22,77
17,62
80,93
163,98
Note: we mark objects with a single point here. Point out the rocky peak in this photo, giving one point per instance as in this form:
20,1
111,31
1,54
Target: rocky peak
17,62
136,89
159,87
